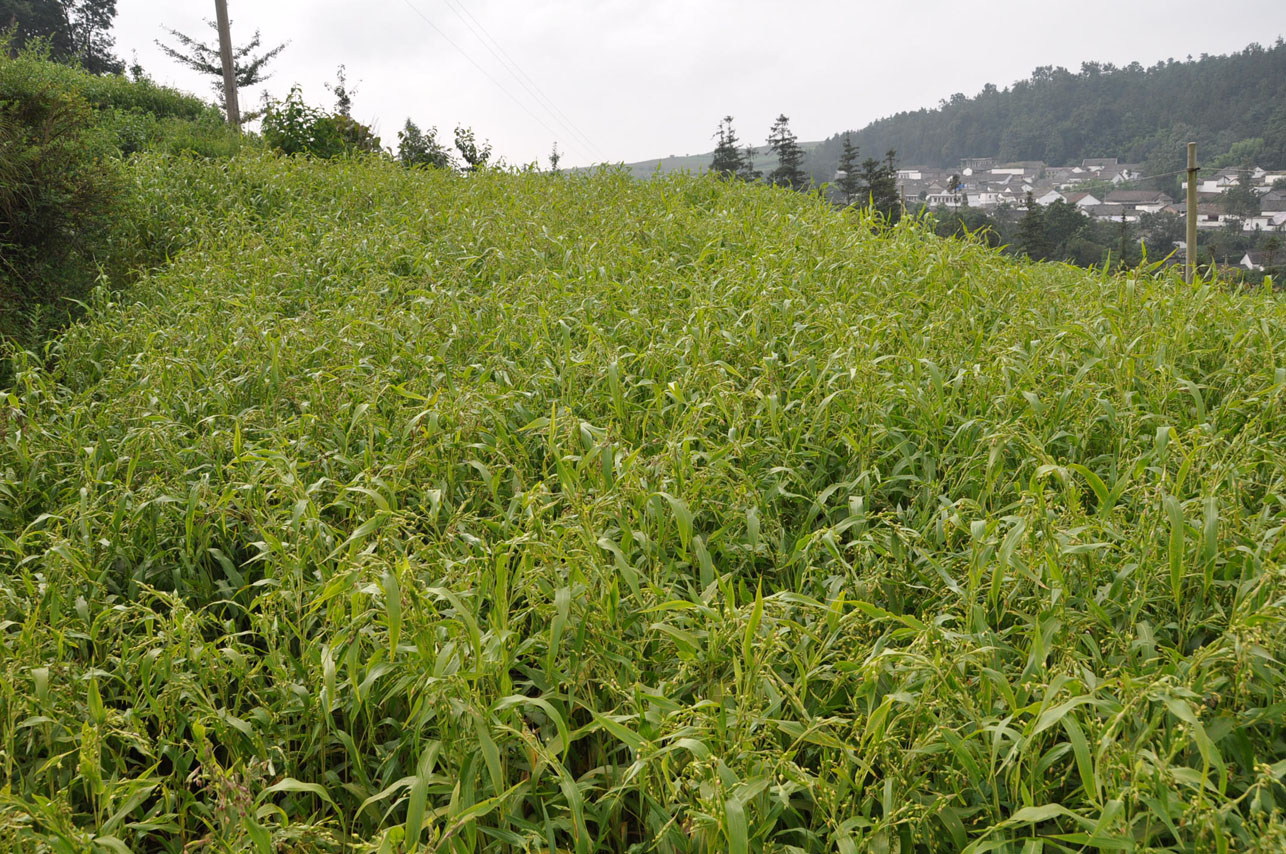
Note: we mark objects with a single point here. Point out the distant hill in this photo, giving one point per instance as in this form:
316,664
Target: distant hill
764,161
1233,107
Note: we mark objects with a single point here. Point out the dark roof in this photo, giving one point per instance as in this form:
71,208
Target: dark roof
1113,211
1202,209
1127,197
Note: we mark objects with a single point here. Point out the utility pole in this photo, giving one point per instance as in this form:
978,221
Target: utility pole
229,69
1190,246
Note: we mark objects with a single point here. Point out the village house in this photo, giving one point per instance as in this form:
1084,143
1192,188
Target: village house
1141,201
1264,222
987,184
1083,200
1208,215
983,198
1098,164
1260,259
1273,200
944,199
1111,213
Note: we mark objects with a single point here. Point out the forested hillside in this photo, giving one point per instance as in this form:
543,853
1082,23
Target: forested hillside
1232,104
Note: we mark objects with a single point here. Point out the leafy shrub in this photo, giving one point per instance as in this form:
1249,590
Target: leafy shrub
293,127
206,135
421,148
58,181
63,216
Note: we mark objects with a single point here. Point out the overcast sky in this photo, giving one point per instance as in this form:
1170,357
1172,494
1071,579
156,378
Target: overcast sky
648,78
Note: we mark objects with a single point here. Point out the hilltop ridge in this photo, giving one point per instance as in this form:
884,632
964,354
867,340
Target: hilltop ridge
1233,106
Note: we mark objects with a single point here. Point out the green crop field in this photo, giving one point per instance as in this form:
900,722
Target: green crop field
531,513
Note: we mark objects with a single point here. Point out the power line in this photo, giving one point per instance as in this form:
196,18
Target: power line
1178,172
484,71
515,70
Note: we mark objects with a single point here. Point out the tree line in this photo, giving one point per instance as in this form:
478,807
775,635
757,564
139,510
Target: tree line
869,183
1233,107
78,31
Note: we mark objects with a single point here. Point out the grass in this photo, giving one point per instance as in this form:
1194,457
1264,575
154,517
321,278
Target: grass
515,512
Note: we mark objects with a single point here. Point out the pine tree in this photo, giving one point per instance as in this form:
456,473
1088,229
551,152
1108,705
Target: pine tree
848,180
729,160
249,69
747,171
1031,232
880,186
790,157
887,198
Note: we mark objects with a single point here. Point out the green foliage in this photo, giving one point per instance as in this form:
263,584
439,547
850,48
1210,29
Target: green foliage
58,182
1241,198
343,92
355,136
293,127
878,188
515,513
72,31
249,68
790,157
1031,232
1246,153
62,134
205,136
849,183
421,148
474,154
730,160
32,22
1141,115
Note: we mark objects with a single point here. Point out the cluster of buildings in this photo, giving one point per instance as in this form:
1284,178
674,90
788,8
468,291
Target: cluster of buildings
1099,187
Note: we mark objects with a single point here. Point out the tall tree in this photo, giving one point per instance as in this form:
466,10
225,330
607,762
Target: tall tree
249,68
790,157
848,179
1240,199
91,35
77,30
1031,232
748,172
729,159
880,185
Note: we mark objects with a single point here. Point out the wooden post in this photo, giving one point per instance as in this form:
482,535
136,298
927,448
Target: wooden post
1190,246
229,69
